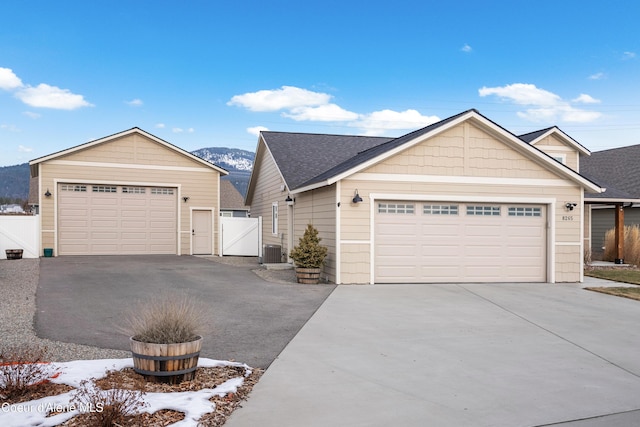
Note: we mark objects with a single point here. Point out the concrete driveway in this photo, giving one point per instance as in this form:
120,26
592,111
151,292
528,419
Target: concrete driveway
82,299
457,355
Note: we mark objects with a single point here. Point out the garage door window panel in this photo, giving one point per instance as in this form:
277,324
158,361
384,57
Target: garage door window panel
396,208
480,210
440,210
524,211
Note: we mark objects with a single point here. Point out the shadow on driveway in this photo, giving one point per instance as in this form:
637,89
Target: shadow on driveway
83,299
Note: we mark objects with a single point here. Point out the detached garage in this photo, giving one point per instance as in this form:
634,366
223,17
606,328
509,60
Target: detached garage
129,193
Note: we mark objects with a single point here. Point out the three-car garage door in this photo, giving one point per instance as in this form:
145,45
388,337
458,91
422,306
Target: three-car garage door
116,220
427,242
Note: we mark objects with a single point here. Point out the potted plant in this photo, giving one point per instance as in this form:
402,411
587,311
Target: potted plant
165,340
309,256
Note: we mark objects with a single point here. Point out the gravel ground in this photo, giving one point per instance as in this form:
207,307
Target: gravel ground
18,285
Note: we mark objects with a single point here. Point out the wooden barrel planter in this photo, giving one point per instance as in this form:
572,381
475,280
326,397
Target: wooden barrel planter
309,276
166,363
13,253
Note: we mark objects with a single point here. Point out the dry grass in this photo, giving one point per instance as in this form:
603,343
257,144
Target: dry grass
167,319
23,371
617,274
631,245
626,292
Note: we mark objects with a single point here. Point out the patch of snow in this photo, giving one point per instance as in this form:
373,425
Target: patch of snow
193,403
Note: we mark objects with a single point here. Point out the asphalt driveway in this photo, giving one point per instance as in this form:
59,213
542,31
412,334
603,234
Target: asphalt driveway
457,355
82,299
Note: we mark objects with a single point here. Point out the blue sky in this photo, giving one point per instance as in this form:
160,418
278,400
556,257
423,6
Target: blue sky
212,73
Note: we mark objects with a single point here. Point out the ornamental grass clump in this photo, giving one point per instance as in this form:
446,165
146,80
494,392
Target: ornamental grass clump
168,319
631,245
308,253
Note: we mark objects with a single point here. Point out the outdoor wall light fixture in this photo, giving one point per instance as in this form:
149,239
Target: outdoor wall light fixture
289,200
357,198
186,199
570,205
48,193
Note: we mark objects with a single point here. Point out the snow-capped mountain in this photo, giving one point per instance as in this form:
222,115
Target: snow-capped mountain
238,162
231,159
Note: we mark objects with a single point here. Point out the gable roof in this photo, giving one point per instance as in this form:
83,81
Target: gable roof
618,167
308,161
303,156
126,133
536,136
230,197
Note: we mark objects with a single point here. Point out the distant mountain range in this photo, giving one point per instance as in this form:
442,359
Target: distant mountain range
14,180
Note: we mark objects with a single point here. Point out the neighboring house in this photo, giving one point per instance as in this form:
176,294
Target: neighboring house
231,201
13,208
617,170
128,193
462,200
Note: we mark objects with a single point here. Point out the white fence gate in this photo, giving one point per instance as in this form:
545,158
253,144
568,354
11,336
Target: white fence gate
20,232
241,236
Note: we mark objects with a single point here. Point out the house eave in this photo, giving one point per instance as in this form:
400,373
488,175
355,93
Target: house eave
123,134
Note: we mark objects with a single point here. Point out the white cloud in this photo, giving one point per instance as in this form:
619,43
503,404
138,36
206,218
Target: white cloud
32,115
378,122
597,76
8,80
46,96
137,102
181,130
304,105
10,128
522,93
545,106
23,149
585,99
628,55
160,125
255,131
321,113
287,97
466,48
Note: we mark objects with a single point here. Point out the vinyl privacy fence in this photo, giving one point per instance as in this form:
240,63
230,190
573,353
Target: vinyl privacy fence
20,232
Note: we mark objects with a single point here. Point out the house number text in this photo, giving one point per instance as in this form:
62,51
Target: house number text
567,217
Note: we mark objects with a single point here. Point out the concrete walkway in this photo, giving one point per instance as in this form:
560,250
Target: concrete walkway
457,355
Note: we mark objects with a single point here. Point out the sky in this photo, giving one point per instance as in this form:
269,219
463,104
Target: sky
213,74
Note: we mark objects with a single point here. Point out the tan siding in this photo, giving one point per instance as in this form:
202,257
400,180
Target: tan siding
131,149
568,263
465,151
266,192
356,263
318,207
552,145
199,184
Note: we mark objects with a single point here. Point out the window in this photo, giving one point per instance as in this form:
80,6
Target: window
524,211
562,158
396,208
274,218
483,210
68,187
103,189
159,190
226,214
134,190
440,209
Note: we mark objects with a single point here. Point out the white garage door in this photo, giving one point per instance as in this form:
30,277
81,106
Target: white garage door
116,220
426,242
